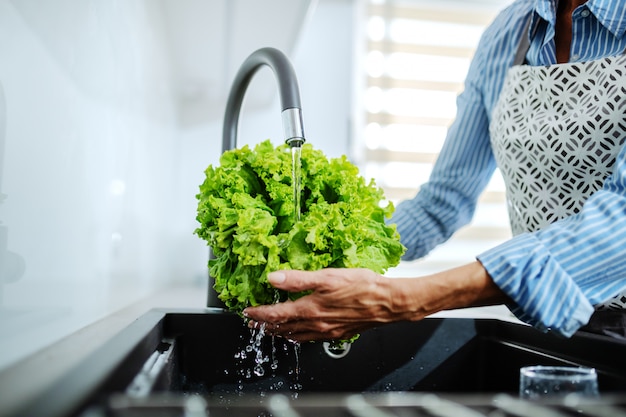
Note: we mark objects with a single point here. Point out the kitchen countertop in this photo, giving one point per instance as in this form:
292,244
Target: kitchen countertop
27,379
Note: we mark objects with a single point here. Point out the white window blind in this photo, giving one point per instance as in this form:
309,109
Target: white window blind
415,57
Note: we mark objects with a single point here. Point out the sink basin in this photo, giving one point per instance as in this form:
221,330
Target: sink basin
184,353
437,355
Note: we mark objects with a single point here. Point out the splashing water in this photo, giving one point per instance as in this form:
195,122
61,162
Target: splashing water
252,362
255,346
274,362
297,386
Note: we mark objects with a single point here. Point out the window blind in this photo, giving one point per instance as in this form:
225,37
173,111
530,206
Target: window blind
414,58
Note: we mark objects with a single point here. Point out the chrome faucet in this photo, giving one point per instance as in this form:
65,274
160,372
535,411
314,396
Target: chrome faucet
289,96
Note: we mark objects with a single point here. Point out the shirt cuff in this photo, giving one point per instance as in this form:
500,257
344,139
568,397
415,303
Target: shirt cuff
543,293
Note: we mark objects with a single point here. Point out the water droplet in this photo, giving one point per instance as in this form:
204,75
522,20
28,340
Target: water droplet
259,371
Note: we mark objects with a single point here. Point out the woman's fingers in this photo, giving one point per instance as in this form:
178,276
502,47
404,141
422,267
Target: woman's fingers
301,331
291,281
296,281
274,313
341,302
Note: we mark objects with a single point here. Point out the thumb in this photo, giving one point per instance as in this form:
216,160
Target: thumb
293,281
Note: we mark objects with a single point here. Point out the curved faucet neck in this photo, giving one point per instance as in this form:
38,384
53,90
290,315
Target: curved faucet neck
289,96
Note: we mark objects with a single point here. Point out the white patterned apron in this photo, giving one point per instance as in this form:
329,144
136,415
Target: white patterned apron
556,131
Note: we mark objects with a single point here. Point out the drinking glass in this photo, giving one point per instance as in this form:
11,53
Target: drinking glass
549,381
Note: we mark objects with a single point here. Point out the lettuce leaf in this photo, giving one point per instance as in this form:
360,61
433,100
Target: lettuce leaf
246,216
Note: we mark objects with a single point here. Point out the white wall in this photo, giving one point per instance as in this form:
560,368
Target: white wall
90,166
99,180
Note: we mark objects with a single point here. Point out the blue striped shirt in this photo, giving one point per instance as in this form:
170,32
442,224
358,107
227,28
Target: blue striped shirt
553,276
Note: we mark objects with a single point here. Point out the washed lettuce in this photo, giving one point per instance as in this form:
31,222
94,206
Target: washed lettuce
246,215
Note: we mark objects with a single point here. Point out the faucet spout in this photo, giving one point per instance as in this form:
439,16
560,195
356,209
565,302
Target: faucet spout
293,127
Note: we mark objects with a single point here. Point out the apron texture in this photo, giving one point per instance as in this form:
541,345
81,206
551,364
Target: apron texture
555,132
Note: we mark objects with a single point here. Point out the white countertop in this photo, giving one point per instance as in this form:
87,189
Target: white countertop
25,380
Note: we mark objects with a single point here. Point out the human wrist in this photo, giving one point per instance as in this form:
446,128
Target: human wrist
465,286
407,298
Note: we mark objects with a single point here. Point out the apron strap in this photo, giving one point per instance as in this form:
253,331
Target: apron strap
524,44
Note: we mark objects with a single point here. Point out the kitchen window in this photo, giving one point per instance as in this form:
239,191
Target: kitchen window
412,61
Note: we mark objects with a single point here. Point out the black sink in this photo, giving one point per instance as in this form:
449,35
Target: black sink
438,355
197,352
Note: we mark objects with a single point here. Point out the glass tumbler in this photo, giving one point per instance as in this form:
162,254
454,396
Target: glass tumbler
549,381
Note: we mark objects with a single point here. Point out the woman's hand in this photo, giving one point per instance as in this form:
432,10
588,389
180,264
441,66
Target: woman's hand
344,302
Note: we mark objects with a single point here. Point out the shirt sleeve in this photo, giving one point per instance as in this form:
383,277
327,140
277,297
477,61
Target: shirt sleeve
555,275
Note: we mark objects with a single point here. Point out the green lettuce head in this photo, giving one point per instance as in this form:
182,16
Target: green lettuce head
246,215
